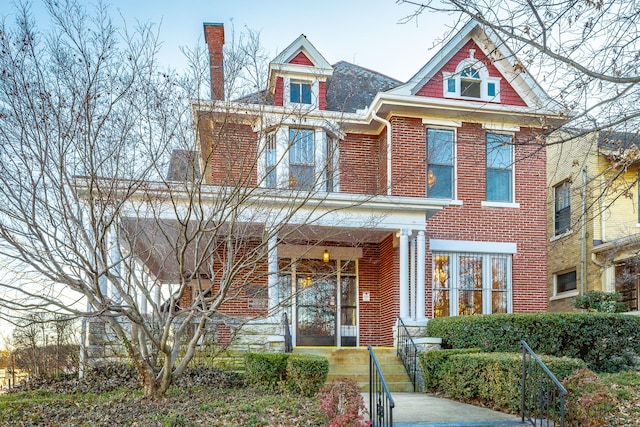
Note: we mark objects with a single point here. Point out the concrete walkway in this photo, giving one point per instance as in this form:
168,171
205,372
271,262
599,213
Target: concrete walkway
425,410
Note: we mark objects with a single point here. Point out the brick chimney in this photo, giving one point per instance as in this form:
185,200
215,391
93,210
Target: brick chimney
214,37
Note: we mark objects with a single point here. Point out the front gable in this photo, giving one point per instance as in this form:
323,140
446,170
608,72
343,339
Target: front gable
298,75
474,65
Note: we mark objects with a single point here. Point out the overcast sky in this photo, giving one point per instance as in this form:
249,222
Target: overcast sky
364,32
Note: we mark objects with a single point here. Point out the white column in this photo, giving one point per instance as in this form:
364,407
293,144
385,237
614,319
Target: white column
421,275
272,269
404,275
412,279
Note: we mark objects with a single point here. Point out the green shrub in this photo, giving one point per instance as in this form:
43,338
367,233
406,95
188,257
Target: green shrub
435,363
603,302
266,370
589,400
306,374
607,342
493,377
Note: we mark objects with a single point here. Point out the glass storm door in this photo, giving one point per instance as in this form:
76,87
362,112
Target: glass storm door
316,290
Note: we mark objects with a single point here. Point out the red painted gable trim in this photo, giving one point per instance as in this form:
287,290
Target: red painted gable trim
301,59
434,89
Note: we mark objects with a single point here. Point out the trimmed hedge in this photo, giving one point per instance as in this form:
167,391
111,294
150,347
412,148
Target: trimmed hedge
297,373
607,342
266,370
490,377
306,374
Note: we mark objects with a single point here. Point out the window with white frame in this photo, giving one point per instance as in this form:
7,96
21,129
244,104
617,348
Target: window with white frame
301,158
440,163
499,168
562,207
300,93
565,282
471,283
471,80
271,161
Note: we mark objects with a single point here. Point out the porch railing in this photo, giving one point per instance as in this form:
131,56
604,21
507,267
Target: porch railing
381,403
288,342
407,351
542,394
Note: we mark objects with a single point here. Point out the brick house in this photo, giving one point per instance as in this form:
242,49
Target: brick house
421,199
593,217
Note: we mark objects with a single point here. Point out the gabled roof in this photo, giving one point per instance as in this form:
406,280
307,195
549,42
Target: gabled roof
618,141
301,44
492,46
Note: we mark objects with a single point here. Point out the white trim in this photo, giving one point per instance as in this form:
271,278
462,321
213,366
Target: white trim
486,204
501,127
564,295
438,122
472,246
560,236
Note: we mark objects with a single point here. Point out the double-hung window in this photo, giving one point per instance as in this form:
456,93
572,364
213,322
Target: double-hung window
566,282
440,163
300,93
471,283
499,168
562,203
301,158
271,160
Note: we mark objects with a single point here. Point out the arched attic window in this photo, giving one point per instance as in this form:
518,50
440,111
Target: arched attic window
471,80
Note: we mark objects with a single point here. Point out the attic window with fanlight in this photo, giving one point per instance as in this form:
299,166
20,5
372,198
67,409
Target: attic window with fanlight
471,80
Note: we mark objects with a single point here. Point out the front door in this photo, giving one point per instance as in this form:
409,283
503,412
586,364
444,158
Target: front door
316,303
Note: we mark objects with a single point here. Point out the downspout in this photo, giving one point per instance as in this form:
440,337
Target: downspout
388,125
583,253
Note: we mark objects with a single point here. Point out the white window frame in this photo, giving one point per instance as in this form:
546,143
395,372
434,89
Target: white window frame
281,135
484,80
493,203
454,183
456,248
315,92
566,294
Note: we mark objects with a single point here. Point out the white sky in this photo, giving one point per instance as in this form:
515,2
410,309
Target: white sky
363,32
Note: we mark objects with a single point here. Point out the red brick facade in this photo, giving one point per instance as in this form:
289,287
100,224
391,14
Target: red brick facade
230,150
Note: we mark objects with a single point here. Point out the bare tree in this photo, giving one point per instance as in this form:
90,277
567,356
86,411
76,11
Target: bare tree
91,224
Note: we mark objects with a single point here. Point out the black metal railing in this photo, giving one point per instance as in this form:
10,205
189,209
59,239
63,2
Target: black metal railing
288,343
381,403
407,351
542,394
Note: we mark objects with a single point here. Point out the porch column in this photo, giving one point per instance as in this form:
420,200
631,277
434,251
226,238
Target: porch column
272,270
404,274
421,273
412,279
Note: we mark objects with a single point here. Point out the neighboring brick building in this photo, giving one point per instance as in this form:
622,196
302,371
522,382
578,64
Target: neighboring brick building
593,216
425,199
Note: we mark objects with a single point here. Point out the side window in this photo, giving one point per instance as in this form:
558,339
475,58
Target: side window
566,282
499,168
440,163
562,204
301,159
271,176
300,93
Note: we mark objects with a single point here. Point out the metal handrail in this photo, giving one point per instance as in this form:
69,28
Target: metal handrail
407,351
542,394
288,342
381,403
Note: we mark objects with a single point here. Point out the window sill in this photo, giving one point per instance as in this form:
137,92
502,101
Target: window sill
500,205
564,295
560,236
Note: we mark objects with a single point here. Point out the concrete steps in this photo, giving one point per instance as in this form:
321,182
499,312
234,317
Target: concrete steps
353,362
